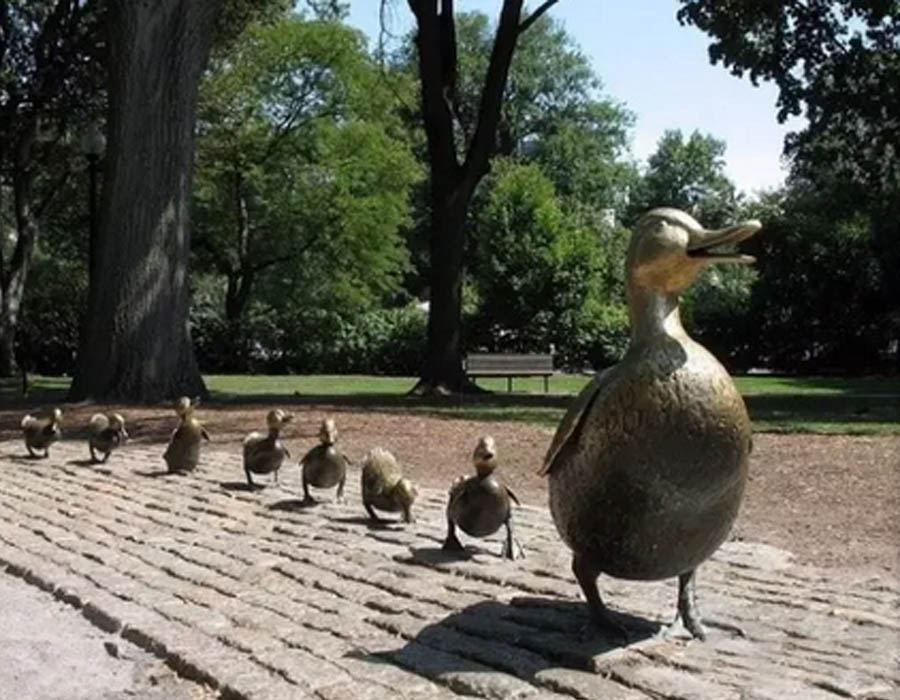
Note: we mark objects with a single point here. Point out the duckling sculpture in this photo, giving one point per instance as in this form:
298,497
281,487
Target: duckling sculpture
263,454
384,487
107,432
648,466
40,433
480,505
183,451
323,466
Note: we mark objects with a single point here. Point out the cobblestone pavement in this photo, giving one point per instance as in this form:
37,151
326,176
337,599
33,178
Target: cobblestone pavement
258,597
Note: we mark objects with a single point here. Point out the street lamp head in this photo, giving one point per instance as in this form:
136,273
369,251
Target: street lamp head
93,142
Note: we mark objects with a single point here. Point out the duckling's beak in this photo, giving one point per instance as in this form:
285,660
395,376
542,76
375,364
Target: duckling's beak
702,241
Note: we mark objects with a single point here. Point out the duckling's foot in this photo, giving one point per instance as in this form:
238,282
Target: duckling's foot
452,543
687,606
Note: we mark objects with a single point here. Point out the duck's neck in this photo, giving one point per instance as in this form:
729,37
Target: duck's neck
653,313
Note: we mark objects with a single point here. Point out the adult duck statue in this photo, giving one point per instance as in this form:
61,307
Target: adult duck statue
647,468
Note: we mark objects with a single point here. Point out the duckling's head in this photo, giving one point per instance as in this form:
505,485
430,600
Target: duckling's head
56,415
485,456
183,406
276,418
669,248
328,432
405,493
117,422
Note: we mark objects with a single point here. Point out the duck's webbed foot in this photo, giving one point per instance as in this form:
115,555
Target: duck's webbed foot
601,619
512,548
371,511
451,542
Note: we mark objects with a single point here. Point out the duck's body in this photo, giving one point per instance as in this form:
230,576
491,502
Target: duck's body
265,452
480,505
40,433
183,451
647,468
107,432
383,486
323,466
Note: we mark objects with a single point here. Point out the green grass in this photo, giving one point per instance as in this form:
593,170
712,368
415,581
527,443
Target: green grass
866,405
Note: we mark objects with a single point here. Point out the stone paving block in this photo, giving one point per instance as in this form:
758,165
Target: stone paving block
271,603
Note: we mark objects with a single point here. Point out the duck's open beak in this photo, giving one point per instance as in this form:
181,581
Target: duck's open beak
702,242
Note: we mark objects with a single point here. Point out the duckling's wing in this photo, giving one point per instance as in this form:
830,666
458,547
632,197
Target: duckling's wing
204,433
513,496
311,454
574,416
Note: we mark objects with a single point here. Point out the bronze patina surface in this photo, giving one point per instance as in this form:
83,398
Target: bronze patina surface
183,451
107,432
323,466
648,466
384,487
40,433
480,505
264,454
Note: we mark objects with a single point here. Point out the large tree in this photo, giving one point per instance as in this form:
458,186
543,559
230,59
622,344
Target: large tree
137,343
457,161
50,83
836,63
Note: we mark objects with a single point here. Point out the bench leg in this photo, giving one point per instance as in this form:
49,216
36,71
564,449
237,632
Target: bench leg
546,383
509,385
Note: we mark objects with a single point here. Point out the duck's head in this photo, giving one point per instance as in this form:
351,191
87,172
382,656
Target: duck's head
183,406
669,248
117,422
405,492
328,432
277,418
485,456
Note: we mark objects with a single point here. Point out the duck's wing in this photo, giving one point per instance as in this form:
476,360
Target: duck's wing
577,410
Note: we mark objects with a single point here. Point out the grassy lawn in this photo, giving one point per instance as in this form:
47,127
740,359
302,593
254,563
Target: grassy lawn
867,405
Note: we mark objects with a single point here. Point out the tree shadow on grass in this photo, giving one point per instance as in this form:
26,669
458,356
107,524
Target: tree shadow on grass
523,638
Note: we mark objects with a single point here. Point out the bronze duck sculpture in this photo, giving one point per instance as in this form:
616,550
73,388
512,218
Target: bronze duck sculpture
480,505
648,466
263,454
183,452
40,433
384,486
107,432
323,466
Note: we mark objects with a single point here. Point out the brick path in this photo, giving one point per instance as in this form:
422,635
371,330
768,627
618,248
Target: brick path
262,599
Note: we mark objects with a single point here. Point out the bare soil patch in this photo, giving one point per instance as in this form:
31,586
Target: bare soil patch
833,501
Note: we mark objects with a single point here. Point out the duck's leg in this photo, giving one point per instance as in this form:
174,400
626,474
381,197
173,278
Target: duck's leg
371,512
31,452
687,605
586,573
307,499
105,456
511,544
250,483
46,452
93,454
339,498
407,515
451,542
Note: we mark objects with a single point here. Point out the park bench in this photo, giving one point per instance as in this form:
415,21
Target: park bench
509,365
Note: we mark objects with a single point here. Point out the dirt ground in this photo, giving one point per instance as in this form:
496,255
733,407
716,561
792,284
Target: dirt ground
833,501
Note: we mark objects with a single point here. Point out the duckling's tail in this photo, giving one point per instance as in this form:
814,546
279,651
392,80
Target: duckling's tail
27,420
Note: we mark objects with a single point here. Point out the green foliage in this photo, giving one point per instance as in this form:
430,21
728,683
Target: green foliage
687,174
838,63
52,312
537,272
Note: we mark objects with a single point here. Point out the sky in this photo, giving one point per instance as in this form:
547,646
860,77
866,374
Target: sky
660,70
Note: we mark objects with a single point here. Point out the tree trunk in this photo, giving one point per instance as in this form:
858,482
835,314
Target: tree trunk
137,344
14,274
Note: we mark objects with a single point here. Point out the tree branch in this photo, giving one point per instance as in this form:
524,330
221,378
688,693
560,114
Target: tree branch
536,15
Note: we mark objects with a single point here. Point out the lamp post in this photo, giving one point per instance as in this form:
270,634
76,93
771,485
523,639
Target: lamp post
93,143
